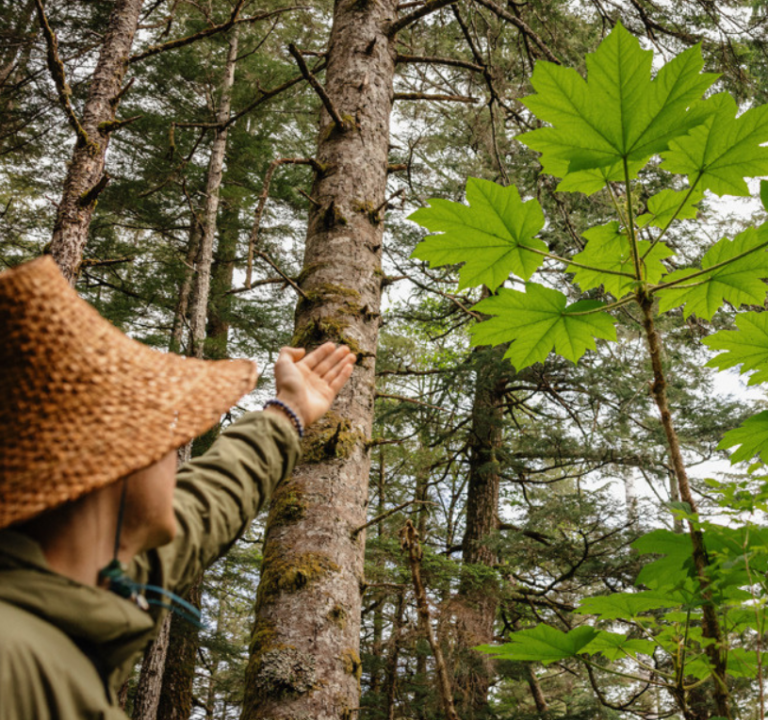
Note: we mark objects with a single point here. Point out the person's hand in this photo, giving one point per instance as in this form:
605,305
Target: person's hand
308,383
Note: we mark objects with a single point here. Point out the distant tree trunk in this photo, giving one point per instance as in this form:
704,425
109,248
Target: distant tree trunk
199,313
222,274
305,647
85,175
394,658
151,677
478,594
175,701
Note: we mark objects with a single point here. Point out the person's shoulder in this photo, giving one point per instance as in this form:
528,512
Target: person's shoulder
43,674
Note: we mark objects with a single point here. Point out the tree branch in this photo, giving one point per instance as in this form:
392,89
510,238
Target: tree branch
436,98
431,60
429,7
59,76
317,87
522,26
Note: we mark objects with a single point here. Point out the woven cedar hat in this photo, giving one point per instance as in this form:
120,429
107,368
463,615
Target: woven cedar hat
81,404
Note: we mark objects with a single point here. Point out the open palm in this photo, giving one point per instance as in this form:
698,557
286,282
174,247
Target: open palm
308,383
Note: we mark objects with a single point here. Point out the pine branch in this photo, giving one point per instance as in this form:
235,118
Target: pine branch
59,76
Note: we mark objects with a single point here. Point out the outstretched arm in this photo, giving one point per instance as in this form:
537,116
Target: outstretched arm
219,493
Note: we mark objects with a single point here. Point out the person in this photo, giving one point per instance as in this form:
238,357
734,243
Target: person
97,529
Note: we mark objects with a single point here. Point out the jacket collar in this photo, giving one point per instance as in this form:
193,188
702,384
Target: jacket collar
113,626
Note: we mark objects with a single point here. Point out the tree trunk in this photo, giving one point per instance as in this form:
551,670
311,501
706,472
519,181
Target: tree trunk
305,647
175,701
85,175
199,313
151,678
478,594
185,289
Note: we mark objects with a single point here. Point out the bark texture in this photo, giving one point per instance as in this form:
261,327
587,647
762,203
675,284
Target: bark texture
305,647
85,177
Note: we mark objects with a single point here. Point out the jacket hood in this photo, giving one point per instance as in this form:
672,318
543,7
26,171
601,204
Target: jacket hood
114,628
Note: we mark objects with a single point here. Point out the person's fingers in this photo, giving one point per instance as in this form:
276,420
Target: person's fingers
332,360
291,354
318,355
338,382
338,368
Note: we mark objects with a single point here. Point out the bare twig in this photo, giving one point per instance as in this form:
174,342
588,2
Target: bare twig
387,514
429,60
234,19
402,398
262,203
428,7
436,97
317,87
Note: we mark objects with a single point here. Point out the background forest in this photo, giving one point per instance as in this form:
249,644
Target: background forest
224,177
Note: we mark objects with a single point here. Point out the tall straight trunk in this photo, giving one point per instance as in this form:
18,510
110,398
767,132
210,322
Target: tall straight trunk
478,597
85,175
215,172
181,313
305,646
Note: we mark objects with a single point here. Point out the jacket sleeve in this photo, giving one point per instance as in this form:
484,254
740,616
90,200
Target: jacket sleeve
217,496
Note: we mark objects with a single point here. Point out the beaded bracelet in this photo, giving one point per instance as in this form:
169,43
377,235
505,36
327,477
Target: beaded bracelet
294,418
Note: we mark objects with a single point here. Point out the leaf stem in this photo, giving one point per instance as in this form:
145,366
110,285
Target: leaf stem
674,217
631,224
552,256
621,674
664,286
605,308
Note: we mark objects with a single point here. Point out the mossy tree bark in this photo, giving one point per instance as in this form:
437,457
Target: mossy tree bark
305,647
85,176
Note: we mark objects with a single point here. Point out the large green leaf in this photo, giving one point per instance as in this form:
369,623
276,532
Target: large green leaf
669,204
619,113
608,248
674,569
614,646
489,235
538,321
542,644
739,282
629,605
751,436
724,150
747,346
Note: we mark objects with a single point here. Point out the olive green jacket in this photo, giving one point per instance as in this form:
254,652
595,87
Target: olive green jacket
55,632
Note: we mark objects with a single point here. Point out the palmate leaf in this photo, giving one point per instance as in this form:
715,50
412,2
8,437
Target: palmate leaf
489,236
724,150
590,181
739,282
609,249
628,606
614,646
538,321
674,569
663,206
619,113
543,644
751,436
747,346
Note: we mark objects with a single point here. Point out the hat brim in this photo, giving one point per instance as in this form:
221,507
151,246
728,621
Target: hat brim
85,404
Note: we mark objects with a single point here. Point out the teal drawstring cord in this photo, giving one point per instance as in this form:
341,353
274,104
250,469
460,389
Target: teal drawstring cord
117,581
